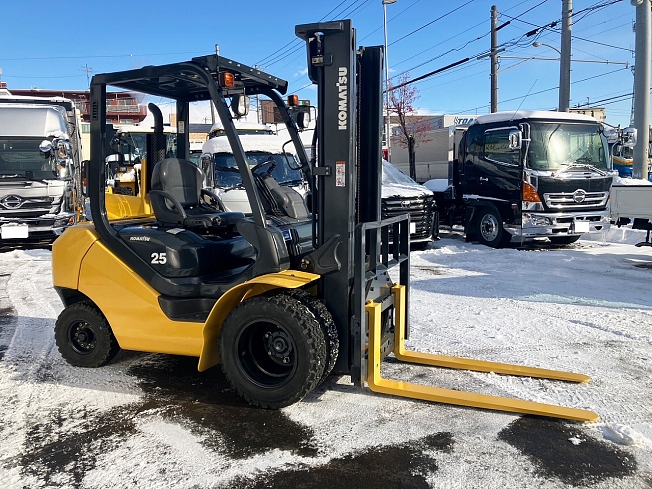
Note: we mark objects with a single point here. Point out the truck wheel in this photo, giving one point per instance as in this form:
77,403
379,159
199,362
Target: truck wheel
272,349
563,240
84,337
489,228
328,328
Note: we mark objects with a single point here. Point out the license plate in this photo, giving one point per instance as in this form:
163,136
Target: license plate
581,226
413,227
19,231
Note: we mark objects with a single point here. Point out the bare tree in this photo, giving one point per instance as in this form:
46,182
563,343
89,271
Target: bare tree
412,128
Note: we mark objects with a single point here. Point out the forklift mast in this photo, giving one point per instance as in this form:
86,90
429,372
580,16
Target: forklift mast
348,163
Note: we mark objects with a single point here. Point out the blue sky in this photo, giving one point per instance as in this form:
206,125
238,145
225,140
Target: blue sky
50,45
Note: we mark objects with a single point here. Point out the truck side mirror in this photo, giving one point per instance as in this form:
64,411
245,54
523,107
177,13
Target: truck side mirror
240,105
515,140
45,146
629,137
64,151
207,165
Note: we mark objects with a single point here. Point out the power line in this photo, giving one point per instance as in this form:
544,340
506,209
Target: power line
431,22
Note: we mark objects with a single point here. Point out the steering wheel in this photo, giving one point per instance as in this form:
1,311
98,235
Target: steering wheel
269,161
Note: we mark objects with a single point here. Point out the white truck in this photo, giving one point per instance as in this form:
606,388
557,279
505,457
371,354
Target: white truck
40,161
632,203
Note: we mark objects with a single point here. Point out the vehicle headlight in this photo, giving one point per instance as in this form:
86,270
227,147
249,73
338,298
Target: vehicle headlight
64,221
540,221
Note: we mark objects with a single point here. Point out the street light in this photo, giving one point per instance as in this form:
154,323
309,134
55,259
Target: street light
564,75
537,44
387,135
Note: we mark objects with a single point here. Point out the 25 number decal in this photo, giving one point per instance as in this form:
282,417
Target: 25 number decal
159,259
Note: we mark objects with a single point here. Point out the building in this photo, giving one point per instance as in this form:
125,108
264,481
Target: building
121,107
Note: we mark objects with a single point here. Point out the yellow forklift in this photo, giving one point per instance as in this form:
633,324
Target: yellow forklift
280,298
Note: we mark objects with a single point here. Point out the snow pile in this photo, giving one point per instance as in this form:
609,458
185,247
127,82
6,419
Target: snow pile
630,181
624,435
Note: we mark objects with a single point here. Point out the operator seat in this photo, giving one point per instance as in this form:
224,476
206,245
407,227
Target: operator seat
193,246
176,197
278,200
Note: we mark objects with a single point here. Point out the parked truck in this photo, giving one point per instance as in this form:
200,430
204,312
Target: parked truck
40,158
633,204
630,199
527,174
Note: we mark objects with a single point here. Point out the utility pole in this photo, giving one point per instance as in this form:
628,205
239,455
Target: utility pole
494,59
88,71
565,58
642,89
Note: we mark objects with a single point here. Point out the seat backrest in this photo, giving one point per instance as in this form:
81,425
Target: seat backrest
182,179
279,200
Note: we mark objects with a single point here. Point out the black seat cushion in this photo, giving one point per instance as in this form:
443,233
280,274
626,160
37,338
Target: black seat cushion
176,197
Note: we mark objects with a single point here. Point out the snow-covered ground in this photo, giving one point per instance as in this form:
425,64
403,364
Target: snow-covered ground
153,421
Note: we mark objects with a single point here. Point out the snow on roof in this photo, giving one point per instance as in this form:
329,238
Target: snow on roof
268,143
395,182
533,114
32,98
27,120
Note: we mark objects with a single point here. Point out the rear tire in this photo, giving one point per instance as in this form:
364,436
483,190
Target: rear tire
84,337
273,350
489,228
563,240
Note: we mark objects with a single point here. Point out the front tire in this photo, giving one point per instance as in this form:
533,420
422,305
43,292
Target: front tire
273,350
84,337
489,228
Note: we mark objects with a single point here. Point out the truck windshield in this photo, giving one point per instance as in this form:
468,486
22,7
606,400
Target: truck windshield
554,146
227,175
21,158
133,146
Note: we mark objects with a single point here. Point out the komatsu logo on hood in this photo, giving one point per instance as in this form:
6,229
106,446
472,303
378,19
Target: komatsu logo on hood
343,88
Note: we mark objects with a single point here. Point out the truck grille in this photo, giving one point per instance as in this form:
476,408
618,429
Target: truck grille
420,209
575,200
16,205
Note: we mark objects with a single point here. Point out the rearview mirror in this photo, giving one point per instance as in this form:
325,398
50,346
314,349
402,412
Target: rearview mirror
240,105
45,146
515,140
207,166
303,120
629,137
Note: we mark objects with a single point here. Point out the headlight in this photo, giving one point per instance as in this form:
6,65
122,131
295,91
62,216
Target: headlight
64,221
530,220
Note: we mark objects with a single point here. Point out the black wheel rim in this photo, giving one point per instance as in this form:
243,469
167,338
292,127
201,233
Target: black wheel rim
266,354
82,338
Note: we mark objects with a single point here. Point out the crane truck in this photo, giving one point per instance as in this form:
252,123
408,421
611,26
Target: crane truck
280,303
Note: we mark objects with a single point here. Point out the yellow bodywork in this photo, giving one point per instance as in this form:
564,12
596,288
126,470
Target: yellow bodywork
80,261
120,206
436,394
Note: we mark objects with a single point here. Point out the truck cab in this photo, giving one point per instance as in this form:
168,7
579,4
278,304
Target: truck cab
530,174
40,148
